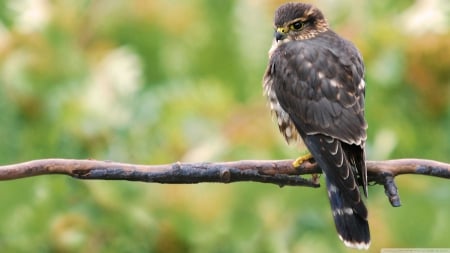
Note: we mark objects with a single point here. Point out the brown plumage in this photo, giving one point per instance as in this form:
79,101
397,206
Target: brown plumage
315,86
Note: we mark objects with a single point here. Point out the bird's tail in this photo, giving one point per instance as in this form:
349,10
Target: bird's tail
348,209
350,218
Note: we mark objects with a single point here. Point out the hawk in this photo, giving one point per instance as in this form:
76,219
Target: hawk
314,83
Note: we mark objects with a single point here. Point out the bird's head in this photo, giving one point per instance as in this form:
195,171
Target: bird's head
298,21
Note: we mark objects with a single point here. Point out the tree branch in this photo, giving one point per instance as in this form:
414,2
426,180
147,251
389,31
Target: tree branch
279,172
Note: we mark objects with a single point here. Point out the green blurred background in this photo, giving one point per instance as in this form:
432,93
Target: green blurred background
169,80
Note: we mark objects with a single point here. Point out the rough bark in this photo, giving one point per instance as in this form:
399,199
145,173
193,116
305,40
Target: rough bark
280,172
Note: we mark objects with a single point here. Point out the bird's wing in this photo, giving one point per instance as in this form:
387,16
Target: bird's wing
322,88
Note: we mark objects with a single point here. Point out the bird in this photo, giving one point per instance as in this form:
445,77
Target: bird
314,84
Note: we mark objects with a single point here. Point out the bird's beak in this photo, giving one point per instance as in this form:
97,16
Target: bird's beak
280,33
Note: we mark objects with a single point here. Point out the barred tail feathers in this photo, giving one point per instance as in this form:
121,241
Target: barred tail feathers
352,229
348,209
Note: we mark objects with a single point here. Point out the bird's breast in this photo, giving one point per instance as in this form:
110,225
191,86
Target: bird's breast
285,124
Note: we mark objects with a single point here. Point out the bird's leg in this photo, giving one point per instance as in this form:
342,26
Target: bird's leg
301,160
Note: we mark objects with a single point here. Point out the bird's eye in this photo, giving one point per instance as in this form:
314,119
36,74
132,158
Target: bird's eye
297,25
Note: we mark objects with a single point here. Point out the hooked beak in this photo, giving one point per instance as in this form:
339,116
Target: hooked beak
280,34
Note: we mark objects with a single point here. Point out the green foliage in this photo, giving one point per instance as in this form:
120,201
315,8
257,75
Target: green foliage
161,81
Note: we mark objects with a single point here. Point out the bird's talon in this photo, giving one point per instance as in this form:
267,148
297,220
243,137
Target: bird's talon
315,178
301,160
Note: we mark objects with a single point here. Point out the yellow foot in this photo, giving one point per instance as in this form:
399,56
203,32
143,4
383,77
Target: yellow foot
315,178
301,160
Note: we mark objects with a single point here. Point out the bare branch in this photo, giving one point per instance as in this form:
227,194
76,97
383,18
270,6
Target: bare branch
279,172
384,172
276,172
